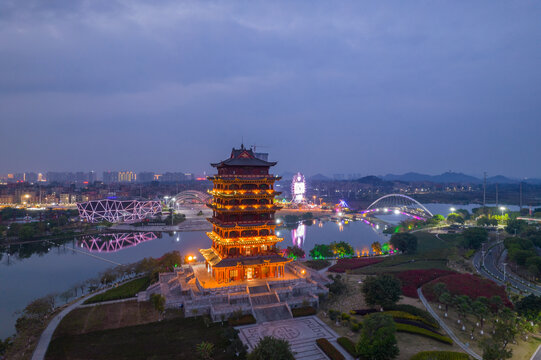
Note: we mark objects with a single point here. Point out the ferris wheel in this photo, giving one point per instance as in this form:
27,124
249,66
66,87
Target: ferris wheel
298,189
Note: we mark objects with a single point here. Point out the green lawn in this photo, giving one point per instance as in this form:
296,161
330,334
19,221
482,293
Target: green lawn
317,264
167,339
124,291
432,253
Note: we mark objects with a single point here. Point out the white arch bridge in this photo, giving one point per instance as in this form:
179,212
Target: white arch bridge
189,197
398,204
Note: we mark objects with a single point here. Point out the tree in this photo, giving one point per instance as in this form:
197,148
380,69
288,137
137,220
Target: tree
446,299
530,307
205,350
474,237
454,218
463,305
321,251
271,348
376,247
294,252
383,290
505,330
378,341
516,226
439,289
480,310
341,249
405,242
496,302
437,218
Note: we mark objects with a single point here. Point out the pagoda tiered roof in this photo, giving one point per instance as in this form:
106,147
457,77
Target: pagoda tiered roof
243,157
242,225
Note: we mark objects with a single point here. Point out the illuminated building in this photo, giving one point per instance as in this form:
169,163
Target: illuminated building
298,189
243,235
126,176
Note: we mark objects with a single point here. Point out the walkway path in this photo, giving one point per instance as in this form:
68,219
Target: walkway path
445,327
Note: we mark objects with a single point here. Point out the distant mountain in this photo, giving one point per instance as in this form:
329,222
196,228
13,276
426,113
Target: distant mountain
373,180
410,176
448,177
319,177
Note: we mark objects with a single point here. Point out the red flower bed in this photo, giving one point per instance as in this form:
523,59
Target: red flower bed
355,263
468,284
412,279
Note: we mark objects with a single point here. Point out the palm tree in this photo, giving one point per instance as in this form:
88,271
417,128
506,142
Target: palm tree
205,350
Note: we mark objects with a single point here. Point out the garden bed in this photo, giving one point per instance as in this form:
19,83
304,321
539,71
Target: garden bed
413,279
329,349
354,263
412,329
303,311
440,355
467,284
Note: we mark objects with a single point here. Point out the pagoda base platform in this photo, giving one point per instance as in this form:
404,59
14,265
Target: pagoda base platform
193,289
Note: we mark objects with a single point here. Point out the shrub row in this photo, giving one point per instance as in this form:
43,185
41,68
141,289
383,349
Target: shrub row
355,263
304,311
407,328
329,349
124,291
242,320
416,323
404,315
440,355
414,311
348,345
363,312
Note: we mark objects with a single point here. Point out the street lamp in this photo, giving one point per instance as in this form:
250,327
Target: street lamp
452,209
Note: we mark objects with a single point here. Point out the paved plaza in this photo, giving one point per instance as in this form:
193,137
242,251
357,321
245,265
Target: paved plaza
301,333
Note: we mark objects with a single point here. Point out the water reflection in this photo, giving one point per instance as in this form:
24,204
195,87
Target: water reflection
114,241
298,235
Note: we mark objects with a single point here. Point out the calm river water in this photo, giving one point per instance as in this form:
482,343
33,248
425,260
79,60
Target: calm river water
25,275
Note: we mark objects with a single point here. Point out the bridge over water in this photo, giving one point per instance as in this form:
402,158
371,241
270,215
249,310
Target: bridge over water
400,205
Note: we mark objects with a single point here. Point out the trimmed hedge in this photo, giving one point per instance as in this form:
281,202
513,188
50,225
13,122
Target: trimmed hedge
416,323
362,312
304,311
242,320
423,332
440,355
329,349
348,345
414,311
124,291
407,316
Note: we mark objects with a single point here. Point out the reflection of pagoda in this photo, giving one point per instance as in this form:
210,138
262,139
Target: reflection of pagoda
243,237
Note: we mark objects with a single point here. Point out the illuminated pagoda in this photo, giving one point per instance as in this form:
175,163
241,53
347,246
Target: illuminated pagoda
243,235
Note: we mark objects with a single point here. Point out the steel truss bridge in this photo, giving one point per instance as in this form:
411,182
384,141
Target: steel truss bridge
114,241
398,204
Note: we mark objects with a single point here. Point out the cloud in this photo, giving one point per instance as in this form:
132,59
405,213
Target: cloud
302,77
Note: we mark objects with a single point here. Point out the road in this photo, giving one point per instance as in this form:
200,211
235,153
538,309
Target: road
493,269
446,328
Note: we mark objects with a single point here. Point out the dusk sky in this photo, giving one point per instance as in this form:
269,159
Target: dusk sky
369,87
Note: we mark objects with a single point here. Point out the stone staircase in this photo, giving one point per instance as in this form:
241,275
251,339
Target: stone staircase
272,312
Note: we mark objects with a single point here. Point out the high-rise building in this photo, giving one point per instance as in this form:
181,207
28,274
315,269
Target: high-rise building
126,176
243,235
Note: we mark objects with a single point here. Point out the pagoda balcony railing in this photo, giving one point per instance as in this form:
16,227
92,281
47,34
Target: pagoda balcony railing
244,178
255,255
245,224
244,208
245,193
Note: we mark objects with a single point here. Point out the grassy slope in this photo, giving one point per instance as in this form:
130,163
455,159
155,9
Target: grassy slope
124,291
167,339
432,253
